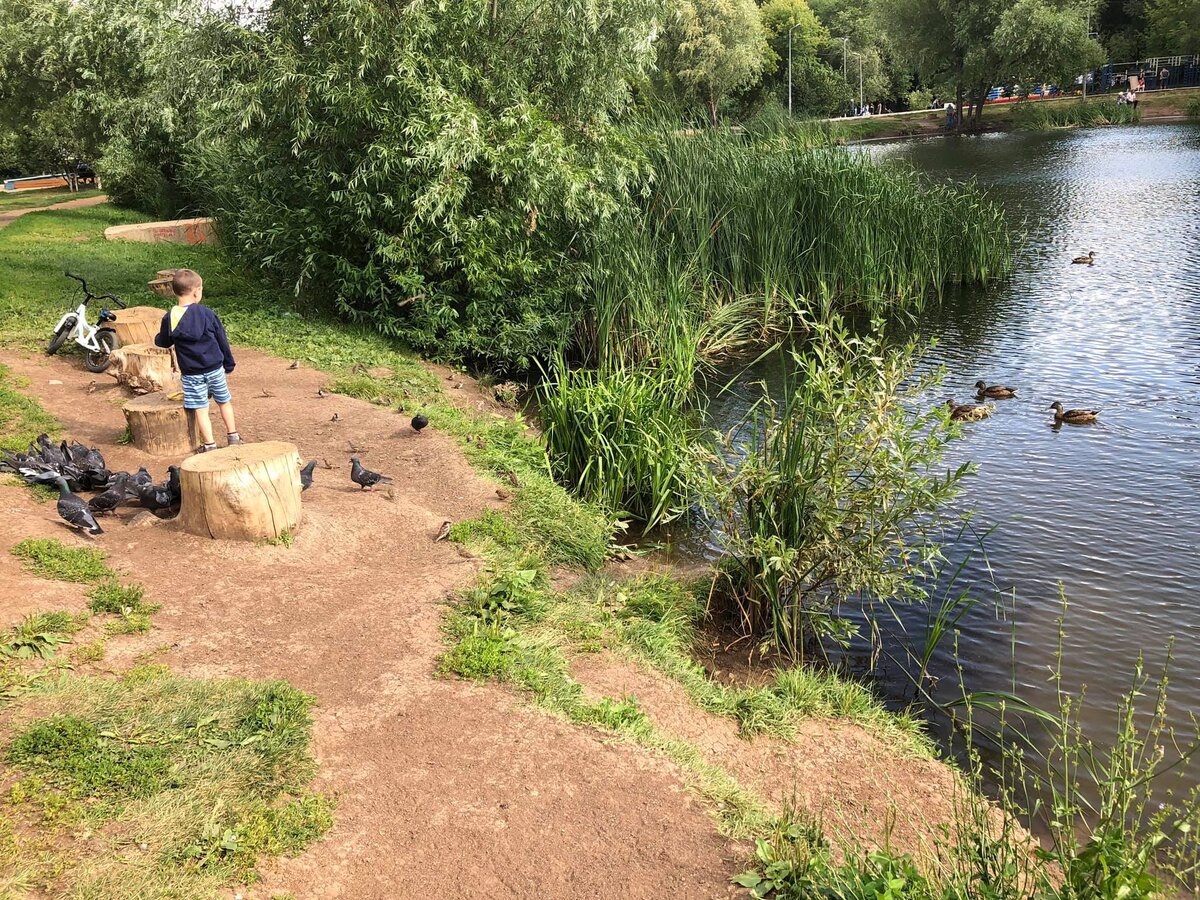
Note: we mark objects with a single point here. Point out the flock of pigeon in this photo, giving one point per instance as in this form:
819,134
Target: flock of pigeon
75,467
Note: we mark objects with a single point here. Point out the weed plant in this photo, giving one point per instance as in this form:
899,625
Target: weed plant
1045,116
50,558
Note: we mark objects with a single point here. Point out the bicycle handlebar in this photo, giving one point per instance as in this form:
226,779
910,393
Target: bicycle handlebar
89,296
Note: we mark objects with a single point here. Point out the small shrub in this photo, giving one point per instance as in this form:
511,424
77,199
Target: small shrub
112,597
52,558
486,652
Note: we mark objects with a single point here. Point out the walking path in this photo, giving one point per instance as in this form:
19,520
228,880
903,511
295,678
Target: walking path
6,218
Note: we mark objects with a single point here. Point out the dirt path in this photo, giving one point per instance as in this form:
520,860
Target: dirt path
445,788
6,218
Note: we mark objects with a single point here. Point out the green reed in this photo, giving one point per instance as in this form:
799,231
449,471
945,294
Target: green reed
1042,116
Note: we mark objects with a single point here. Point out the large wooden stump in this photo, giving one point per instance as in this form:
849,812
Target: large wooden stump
245,493
161,284
138,324
144,369
161,427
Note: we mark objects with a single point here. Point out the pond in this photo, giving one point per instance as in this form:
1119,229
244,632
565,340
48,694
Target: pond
1110,511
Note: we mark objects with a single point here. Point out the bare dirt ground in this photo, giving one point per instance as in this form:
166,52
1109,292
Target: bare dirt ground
445,788
7,217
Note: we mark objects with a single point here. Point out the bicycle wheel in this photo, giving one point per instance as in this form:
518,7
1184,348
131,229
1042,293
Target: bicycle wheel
97,360
60,336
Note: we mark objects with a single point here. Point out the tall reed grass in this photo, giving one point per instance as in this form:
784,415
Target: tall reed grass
1041,116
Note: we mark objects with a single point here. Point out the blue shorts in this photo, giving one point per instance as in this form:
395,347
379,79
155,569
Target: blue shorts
196,389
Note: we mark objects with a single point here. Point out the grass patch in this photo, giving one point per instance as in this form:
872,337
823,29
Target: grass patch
125,602
53,559
14,200
22,418
208,776
39,635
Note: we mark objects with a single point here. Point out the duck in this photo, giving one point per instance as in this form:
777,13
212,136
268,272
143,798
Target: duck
1085,260
1073,416
997,391
968,412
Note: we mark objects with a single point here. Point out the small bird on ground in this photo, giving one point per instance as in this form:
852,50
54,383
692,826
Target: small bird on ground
306,475
321,393
419,421
365,478
1085,260
91,388
444,531
141,476
1073,416
154,497
503,494
50,452
335,418
968,412
72,508
295,364
996,391
174,487
511,477
104,503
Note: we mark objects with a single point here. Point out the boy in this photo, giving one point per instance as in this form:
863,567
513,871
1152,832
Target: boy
203,354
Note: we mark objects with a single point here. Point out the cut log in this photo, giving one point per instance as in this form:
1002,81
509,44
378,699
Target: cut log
138,324
246,493
144,369
161,427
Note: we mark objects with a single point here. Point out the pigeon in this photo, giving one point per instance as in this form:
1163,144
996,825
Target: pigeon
444,531
154,497
78,452
365,477
73,510
105,503
49,452
306,475
142,476
174,487
419,422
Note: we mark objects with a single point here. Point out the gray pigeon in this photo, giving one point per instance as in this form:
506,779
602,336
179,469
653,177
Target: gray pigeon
141,476
49,451
365,477
306,475
74,510
105,503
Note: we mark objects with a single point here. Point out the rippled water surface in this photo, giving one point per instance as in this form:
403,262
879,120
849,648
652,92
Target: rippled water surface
1112,511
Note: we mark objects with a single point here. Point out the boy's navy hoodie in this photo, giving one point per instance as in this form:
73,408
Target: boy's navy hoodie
199,341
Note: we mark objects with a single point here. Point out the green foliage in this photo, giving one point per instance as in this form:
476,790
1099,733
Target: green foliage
1093,114
623,439
1173,26
126,603
439,199
834,491
22,418
39,635
51,558
712,48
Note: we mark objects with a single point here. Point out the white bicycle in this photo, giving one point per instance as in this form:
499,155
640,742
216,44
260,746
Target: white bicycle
98,340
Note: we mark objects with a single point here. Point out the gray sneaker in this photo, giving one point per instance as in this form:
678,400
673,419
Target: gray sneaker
235,439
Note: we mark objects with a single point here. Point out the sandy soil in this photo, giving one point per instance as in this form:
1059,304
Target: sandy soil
445,788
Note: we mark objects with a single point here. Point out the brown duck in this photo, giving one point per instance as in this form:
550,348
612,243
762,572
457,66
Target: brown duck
1085,260
995,391
968,412
1073,416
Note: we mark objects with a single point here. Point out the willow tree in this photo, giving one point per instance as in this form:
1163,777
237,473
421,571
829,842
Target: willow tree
429,169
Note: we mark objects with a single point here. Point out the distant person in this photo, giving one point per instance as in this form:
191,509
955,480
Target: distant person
1163,77
1133,98
202,350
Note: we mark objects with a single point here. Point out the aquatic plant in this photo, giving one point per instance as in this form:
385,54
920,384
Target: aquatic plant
830,492
623,437
1042,116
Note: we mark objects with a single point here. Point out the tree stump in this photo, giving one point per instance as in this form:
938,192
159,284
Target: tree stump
137,325
161,427
246,493
143,368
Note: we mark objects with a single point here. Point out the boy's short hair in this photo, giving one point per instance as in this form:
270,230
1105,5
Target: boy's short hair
184,281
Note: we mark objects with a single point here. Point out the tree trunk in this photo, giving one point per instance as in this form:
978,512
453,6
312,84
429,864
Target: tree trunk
137,325
246,493
161,427
712,110
958,108
144,369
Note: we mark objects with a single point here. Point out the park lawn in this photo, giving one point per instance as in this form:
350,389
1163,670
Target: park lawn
14,200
